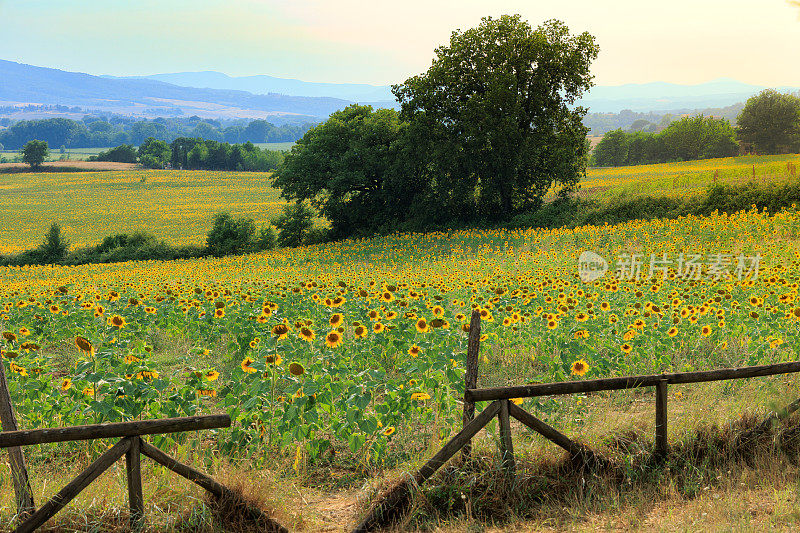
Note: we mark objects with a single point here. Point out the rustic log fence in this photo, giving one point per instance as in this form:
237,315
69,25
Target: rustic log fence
504,409
132,446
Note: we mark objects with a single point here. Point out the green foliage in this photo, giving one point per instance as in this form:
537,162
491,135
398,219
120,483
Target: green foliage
266,240
230,235
154,153
195,153
294,224
686,139
34,153
499,129
355,169
124,153
770,122
55,246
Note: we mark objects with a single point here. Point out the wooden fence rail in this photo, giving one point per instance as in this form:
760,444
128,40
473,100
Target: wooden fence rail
503,408
132,446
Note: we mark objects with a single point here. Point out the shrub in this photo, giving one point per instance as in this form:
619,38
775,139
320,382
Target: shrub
294,224
231,236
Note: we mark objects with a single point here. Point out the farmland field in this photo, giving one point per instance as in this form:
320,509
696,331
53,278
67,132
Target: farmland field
684,178
347,358
178,205
174,205
347,344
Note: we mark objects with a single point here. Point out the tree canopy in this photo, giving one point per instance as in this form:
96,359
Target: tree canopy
497,102
35,152
483,134
770,121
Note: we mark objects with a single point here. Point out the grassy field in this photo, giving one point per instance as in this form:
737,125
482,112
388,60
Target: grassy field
174,205
178,205
685,178
342,363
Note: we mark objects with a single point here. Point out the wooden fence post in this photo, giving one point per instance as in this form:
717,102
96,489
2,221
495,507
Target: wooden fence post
133,468
22,486
506,444
661,418
471,376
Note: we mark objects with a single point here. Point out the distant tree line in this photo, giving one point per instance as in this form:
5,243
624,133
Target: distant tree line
98,132
769,123
686,139
195,154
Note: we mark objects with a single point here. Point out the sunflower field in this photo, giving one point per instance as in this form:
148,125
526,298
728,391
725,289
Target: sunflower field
352,347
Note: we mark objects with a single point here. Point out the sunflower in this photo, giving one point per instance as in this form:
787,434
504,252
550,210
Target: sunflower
24,331
422,325
335,320
296,369
117,321
626,348
280,331
211,393
88,391
84,345
378,327
374,315
9,336
388,431
360,331
333,339
66,384
421,396
672,332
246,362
414,350
706,331
212,375
438,310
581,317
219,313
387,296
517,401
306,333
552,324
273,359
579,368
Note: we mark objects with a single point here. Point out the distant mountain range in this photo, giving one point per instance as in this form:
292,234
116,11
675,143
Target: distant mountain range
217,95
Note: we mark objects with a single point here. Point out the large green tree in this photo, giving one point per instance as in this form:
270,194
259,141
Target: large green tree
770,121
356,169
497,106
34,153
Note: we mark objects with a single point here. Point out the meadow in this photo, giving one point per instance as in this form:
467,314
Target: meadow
176,206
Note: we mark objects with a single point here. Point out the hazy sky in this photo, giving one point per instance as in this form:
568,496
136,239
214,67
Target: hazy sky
381,42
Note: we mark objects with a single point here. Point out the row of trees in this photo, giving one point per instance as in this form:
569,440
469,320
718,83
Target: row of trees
769,123
689,138
482,135
195,154
97,132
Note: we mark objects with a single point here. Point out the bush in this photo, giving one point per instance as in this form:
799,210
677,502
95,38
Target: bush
266,239
294,224
124,153
231,236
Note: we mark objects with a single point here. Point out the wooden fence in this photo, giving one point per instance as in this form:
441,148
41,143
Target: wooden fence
504,409
131,445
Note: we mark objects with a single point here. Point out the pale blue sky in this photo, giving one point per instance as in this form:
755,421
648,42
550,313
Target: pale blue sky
381,42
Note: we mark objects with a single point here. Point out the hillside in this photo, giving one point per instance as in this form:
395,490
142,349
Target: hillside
23,84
